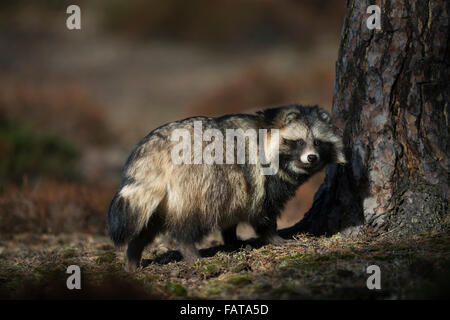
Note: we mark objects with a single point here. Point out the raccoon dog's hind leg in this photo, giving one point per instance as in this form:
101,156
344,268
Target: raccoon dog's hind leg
133,219
137,244
189,231
189,252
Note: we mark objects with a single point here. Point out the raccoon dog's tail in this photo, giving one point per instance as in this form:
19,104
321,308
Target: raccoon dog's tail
120,228
130,212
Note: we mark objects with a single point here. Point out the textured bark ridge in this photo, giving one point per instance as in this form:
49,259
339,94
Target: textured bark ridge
391,103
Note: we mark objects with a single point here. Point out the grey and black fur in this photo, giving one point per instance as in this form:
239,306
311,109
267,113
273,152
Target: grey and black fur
190,200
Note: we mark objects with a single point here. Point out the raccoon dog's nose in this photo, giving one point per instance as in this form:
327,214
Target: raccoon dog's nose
312,158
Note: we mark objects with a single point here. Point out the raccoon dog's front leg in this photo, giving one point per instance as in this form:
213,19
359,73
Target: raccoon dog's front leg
229,236
266,229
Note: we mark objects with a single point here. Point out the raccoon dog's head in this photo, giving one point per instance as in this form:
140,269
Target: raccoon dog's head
307,141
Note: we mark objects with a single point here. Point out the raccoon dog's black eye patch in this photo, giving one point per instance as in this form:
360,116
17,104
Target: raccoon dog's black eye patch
294,144
317,142
289,142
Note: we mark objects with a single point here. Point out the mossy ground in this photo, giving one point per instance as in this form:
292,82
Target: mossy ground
33,266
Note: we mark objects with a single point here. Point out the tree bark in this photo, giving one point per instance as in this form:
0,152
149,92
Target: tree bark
391,104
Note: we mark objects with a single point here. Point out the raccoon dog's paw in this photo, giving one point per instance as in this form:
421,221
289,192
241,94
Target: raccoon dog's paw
190,253
131,266
276,240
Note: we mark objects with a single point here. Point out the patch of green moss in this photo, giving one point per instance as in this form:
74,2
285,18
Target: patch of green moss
105,257
68,252
287,264
220,254
209,268
309,259
291,257
176,288
226,287
151,278
282,290
382,257
241,255
443,240
45,272
242,266
240,280
216,288
261,287
336,256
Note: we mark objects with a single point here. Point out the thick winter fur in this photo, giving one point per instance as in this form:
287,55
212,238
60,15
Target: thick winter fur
190,200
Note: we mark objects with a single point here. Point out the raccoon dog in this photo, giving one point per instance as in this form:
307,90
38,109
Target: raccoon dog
189,200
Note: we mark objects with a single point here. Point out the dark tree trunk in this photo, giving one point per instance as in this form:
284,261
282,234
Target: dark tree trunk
391,104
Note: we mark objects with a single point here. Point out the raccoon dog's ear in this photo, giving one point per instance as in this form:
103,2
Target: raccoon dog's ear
290,117
324,116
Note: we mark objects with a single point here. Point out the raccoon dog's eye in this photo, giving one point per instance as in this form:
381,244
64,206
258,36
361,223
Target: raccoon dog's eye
317,142
301,142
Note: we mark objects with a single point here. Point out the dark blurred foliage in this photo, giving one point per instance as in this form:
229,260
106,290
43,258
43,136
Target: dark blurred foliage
43,130
208,22
222,23
25,153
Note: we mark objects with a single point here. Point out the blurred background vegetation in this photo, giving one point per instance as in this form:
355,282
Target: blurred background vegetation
74,103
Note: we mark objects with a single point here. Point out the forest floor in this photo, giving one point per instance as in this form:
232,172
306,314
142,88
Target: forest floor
34,267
